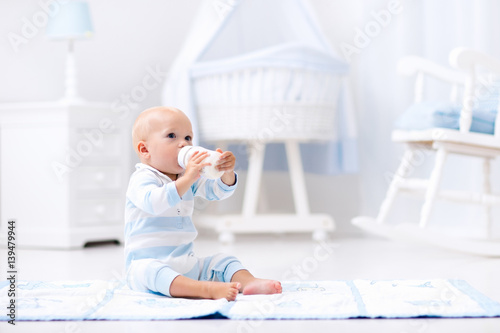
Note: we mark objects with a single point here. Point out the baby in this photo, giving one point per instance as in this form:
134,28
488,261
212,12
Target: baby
159,232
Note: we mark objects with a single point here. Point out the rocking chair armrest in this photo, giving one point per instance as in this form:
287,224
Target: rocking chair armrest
413,65
467,59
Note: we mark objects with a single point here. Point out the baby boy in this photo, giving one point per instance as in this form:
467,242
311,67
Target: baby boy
159,232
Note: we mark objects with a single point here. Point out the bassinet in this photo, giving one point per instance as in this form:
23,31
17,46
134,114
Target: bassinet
267,104
287,94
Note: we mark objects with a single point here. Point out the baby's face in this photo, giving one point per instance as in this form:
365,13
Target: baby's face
170,132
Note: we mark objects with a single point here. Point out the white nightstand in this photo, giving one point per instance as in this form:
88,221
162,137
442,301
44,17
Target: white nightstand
63,173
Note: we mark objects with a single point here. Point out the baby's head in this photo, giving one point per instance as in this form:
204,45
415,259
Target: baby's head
158,135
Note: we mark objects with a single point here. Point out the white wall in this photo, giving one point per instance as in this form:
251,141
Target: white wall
132,37
129,37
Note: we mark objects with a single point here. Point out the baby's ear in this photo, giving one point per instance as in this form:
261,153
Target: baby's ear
142,150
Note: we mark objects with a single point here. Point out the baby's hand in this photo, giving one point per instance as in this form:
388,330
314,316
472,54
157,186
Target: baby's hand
226,161
195,165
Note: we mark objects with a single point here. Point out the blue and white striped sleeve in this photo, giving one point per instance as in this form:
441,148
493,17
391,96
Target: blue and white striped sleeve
213,189
149,194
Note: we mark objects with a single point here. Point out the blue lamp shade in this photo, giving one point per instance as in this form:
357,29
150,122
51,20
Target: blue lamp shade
72,21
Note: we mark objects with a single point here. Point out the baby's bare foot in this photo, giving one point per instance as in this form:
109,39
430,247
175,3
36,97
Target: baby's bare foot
228,291
261,286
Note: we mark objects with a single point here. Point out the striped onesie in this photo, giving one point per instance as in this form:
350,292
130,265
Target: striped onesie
159,232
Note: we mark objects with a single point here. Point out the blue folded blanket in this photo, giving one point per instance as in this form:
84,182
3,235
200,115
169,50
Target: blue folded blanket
426,115
342,299
432,114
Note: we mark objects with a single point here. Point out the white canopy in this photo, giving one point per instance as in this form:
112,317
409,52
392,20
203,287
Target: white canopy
229,35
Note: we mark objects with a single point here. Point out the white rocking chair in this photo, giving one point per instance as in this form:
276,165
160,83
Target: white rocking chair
444,141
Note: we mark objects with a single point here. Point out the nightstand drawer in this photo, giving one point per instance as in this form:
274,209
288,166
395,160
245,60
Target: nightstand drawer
99,211
98,178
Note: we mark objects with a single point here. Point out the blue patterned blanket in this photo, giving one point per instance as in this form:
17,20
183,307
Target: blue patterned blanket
112,300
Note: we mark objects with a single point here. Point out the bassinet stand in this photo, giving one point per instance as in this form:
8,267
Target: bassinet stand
250,222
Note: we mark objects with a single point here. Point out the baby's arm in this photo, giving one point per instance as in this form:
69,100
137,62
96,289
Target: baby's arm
223,187
148,193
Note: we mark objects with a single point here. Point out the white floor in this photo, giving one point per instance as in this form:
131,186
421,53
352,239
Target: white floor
280,257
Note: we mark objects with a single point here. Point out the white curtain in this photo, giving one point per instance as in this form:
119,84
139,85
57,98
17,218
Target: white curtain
427,28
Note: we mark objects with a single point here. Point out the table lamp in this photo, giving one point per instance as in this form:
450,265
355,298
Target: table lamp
72,21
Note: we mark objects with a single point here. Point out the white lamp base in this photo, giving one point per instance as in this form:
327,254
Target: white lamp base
70,83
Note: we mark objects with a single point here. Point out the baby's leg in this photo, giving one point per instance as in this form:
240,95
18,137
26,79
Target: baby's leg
252,285
185,287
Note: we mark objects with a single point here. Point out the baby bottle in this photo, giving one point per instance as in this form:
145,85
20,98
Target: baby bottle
209,171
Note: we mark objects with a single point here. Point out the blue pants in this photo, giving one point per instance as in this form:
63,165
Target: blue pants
155,276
